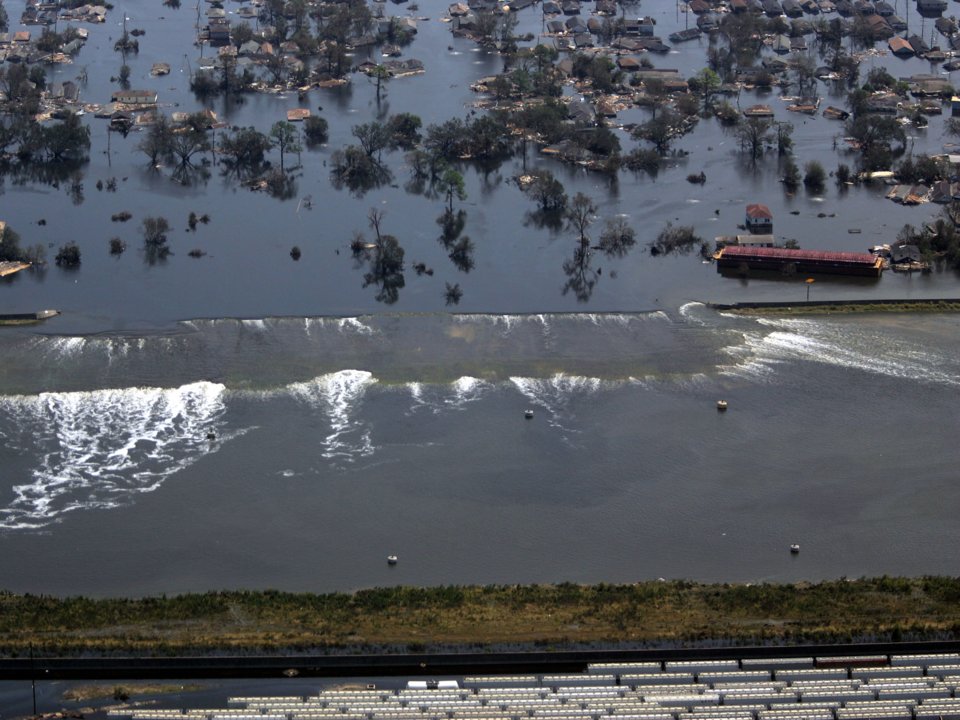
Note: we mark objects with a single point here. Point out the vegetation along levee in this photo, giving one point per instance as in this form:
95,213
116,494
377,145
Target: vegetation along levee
840,307
408,619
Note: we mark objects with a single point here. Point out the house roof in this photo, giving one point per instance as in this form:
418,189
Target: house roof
756,211
834,257
899,45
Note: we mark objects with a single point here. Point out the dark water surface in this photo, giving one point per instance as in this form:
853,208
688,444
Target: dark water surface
337,443
153,442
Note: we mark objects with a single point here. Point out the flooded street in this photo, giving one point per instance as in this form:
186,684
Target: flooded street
247,271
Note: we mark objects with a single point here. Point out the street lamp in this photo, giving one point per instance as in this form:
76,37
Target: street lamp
809,281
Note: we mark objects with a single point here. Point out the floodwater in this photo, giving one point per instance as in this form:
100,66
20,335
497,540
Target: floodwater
244,420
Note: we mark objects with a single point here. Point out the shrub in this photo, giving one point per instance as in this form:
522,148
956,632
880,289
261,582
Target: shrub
814,177
68,255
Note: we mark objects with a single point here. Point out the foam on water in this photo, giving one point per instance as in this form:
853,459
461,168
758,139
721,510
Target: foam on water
338,395
556,394
692,312
354,324
99,448
838,344
466,390
455,396
257,324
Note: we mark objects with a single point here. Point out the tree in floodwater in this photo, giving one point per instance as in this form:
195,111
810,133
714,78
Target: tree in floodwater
191,140
451,185
66,140
580,214
680,239
880,139
285,138
548,192
157,143
581,277
753,135
155,238
68,256
356,170
385,260
243,152
617,237
379,76
315,130
661,130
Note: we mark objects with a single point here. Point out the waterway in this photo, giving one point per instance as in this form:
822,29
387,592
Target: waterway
244,420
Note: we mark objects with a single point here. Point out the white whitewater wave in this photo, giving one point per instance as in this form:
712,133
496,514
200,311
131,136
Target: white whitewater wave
555,394
466,390
507,321
354,324
455,396
256,324
692,311
344,324
98,448
338,394
837,344
617,319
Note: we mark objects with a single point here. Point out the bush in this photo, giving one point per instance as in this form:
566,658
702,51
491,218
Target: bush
843,174
295,252
814,177
315,130
675,239
117,246
791,176
68,255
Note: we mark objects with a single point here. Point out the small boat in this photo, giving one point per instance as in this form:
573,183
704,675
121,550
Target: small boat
721,405
392,559
795,549
528,414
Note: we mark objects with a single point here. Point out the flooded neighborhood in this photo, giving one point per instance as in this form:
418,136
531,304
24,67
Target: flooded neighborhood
479,156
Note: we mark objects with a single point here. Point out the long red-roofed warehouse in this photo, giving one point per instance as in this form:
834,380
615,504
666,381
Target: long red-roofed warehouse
791,261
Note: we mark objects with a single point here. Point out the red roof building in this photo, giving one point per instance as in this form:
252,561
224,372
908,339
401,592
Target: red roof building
759,219
791,262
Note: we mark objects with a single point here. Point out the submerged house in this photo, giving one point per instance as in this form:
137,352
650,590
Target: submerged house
792,262
759,219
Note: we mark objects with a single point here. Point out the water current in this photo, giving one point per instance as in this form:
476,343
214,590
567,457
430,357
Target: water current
144,451
299,452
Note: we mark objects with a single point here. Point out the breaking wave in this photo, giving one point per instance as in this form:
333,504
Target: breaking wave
557,394
338,395
454,396
837,344
99,448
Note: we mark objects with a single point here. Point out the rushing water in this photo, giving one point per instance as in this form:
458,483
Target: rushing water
300,452
144,451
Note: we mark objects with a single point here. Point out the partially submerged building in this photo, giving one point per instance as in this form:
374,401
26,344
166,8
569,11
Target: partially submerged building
759,219
790,262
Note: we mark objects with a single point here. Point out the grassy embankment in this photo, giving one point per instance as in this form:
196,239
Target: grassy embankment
417,619
850,308
86,693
